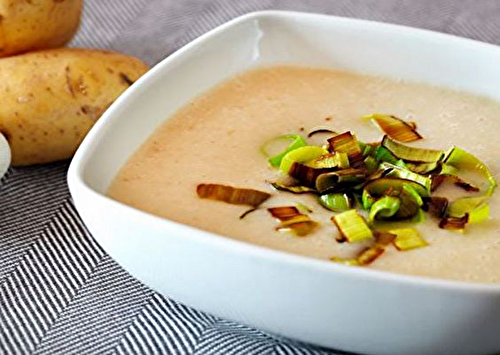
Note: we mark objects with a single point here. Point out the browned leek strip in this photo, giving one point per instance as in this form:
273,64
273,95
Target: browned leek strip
396,128
320,130
365,257
305,174
437,180
456,223
292,220
232,195
346,143
246,213
435,206
384,238
284,213
296,189
369,255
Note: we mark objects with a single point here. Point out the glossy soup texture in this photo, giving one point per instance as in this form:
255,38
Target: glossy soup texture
216,139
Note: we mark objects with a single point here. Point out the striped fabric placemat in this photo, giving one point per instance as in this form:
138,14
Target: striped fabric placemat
59,291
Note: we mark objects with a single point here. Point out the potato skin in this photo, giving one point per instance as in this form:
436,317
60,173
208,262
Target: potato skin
27,25
50,99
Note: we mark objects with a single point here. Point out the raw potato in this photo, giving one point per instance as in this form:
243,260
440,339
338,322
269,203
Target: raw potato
50,99
27,25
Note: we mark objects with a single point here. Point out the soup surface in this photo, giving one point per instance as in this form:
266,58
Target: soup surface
216,139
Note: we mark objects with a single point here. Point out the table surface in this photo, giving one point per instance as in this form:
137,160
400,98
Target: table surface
59,291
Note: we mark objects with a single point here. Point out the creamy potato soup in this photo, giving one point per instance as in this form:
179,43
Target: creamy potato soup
217,137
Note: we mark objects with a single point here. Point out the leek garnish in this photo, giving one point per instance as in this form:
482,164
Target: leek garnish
394,186
336,202
296,142
412,154
468,209
461,159
305,174
365,257
384,155
454,223
330,161
232,195
475,207
400,173
347,262
388,180
384,237
367,200
422,168
410,206
437,180
370,254
340,180
300,155
385,207
395,128
352,227
413,193
296,189
346,143
436,206
447,169
407,239
293,220
371,164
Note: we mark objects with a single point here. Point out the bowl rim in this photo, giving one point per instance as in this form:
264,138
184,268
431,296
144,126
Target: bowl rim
78,186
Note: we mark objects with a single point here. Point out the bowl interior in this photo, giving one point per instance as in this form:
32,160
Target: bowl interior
269,38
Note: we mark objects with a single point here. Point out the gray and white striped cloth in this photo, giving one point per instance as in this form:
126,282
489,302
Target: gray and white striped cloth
59,291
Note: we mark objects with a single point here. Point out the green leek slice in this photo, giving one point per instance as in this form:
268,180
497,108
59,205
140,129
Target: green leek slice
407,239
422,168
476,208
382,186
385,207
384,155
352,227
300,155
296,142
412,154
371,164
330,161
401,173
339,180
461,159
367,200
336,202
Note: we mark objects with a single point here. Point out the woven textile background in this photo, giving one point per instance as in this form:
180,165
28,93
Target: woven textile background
59,292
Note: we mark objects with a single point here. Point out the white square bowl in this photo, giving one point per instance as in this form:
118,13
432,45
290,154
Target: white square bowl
311,300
